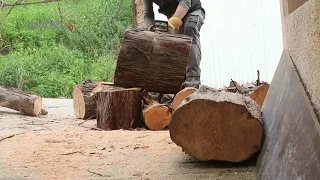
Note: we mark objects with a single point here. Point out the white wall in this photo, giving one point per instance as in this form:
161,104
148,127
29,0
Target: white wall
239,38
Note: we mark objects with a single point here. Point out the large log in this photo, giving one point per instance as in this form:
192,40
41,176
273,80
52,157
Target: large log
118,108
84,105
214,125
154,61
16,99
156,116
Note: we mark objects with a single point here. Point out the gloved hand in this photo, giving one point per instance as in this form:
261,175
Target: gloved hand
174,24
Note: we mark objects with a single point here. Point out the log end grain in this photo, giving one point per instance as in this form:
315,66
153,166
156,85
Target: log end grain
181,96
260,93
37,104
78,103
213,125
157,117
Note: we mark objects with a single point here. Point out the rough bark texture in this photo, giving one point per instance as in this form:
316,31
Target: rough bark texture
213,125
138,13
156,116
154,61
303,38
84,105
118,108
15,99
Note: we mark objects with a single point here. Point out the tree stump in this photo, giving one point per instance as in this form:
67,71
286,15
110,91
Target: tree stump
213,125
118,108
154,61
84,105
16,99
156,116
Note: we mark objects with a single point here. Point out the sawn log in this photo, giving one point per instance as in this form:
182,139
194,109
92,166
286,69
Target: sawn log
16,99
153,61
213,125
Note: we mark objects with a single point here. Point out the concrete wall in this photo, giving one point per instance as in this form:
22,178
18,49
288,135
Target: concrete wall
303,38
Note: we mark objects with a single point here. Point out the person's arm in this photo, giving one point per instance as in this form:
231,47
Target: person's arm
148,13
182,9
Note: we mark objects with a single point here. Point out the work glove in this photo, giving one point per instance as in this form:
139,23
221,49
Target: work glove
174,24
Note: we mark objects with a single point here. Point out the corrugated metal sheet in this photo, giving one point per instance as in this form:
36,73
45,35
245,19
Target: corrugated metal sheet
239,38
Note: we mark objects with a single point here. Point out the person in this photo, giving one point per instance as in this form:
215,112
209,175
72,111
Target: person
188,16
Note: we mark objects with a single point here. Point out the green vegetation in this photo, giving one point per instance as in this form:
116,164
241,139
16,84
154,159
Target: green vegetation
52,61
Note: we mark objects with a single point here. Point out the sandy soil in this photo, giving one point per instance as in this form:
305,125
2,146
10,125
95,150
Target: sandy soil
58,146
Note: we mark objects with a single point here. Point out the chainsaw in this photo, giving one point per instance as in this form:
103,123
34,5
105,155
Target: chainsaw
163,26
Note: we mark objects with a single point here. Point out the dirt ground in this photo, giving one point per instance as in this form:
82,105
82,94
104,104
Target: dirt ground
58,146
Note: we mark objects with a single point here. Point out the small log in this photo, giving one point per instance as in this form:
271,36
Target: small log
260,93
118,108
213,125
84,105
16,99
156,116
153,61
181,96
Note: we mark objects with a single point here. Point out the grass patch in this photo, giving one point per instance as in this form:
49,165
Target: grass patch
52,61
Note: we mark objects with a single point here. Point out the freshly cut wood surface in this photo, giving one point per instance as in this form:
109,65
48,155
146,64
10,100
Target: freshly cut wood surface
213,125
154,61
16,99
156,116
181,96
118,108
260,93
84,104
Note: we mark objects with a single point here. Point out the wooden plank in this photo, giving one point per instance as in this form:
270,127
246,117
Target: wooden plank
291,148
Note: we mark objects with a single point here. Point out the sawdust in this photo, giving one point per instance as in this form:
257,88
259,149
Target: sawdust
56,147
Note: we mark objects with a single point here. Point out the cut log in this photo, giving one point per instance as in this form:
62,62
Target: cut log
118,108
213,125
156,116
260,93
16,99
181,96
153,61
84,105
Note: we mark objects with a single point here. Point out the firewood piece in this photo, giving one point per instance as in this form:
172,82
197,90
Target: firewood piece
213,125
118,108
84,104
260,93
156,116
16,99
153,61
181,96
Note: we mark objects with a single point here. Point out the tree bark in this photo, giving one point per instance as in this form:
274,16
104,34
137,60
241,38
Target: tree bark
15,99
84,104
118,108
156,116
154,61
213,125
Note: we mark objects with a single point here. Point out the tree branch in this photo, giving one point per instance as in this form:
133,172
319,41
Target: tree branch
25,4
